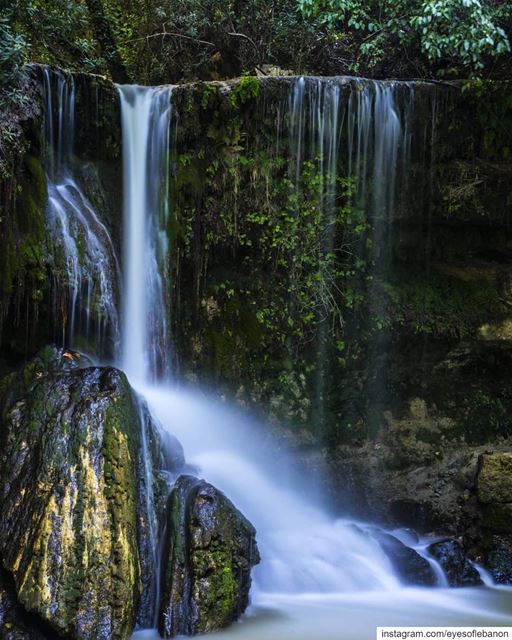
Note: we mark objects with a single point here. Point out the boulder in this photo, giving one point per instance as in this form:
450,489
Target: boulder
410,567
209,550
69,444
458,569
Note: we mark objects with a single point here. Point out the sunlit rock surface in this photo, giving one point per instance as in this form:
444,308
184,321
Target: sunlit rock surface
68,501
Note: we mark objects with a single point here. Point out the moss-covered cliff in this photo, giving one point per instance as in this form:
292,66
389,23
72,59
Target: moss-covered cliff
255,295
251,298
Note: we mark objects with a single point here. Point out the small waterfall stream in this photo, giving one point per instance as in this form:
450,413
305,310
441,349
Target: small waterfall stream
89,315
319,575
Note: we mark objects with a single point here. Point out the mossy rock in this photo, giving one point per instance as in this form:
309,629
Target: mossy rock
495,478
209,552
69,495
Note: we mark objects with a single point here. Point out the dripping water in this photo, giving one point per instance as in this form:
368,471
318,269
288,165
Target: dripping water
89,315
373,121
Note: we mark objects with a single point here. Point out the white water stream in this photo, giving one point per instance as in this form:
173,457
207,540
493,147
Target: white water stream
89,315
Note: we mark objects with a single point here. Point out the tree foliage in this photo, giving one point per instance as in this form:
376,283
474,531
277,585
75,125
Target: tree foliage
446,35
158,41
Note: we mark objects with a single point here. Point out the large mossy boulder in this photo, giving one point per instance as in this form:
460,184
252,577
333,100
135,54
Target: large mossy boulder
210,548
68,495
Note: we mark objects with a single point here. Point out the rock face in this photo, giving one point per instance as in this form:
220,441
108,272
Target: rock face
408,564
209,551
495,478
458,570
499,559
494,486
14,624
68,495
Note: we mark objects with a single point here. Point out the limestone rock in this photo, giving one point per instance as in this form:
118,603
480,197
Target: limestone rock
210,549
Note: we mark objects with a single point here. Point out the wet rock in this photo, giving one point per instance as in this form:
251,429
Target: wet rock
458,569
495,478
408,564
68,495
15,624
171,453
499,559
210,548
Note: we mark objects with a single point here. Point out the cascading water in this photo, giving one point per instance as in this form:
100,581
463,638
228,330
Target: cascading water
91,269
314,112
146,114
358,130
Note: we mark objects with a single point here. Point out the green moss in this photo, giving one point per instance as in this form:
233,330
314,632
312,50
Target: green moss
39,189
208,95
247,89
495,478
218,605
438,303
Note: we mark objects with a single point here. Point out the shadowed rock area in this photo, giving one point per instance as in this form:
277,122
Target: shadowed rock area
210,549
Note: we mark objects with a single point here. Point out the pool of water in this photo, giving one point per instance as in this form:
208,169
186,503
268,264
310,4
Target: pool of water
356,616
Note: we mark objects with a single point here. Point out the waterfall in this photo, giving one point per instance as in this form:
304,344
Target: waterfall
314,122
303,549
359,129
145,347
91,275
146,114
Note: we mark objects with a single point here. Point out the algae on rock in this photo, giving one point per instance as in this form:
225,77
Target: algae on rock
68,501
209,551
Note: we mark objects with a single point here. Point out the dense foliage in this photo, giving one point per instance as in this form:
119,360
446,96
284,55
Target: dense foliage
446,35
154,41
